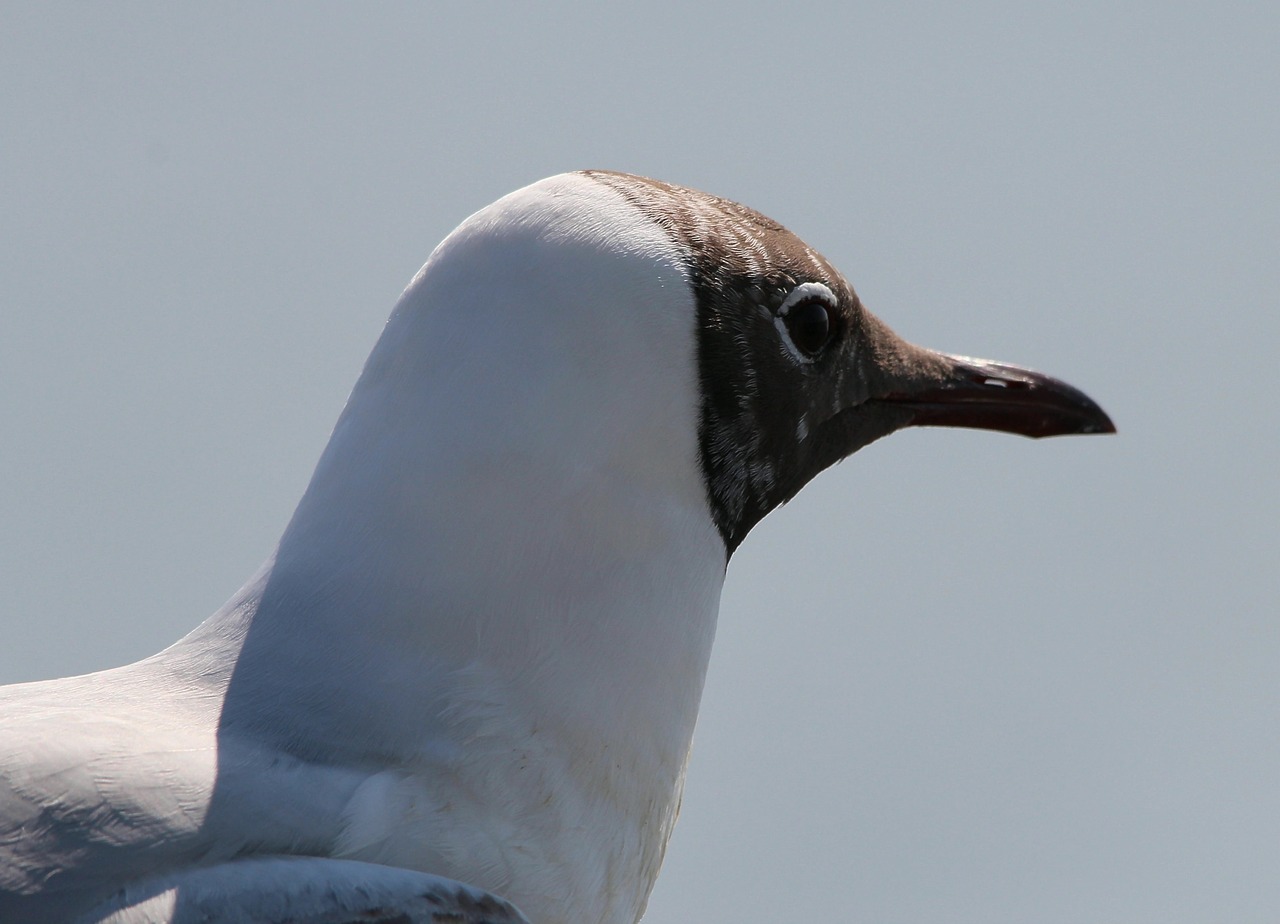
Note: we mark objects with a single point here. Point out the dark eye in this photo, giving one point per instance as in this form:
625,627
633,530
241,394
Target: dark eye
810,326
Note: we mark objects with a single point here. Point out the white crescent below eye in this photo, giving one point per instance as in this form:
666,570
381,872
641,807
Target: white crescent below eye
804,292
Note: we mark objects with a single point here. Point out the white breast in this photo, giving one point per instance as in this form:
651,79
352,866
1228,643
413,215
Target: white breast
499,592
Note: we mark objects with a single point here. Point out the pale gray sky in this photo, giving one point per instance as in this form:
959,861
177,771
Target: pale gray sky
963,677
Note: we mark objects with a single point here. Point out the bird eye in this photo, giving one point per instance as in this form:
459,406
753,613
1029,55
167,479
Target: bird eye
809,324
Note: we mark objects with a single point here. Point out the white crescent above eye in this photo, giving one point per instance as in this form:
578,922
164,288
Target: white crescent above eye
806,291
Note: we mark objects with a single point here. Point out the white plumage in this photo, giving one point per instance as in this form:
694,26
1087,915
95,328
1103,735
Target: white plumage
478,650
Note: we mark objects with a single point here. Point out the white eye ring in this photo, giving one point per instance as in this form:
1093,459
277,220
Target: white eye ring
805,292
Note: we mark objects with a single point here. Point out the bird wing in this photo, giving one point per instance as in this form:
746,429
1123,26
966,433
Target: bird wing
302,890
105,779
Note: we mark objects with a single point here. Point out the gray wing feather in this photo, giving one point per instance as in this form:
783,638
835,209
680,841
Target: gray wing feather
302,890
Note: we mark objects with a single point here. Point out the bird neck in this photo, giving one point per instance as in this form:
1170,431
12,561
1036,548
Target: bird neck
435,547
584,606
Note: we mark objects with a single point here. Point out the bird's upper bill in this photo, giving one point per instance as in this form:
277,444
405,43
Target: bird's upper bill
943,390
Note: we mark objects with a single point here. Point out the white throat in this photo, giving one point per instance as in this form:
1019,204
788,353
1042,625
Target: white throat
508,537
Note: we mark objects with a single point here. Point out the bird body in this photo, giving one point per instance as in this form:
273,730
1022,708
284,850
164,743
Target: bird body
479,648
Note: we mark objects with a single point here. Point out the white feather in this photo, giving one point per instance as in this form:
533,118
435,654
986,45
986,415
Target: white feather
479,648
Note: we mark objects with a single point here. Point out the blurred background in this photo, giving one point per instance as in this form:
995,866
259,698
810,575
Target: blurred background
964,677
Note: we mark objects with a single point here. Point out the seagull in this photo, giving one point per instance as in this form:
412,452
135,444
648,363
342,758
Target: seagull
464,686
